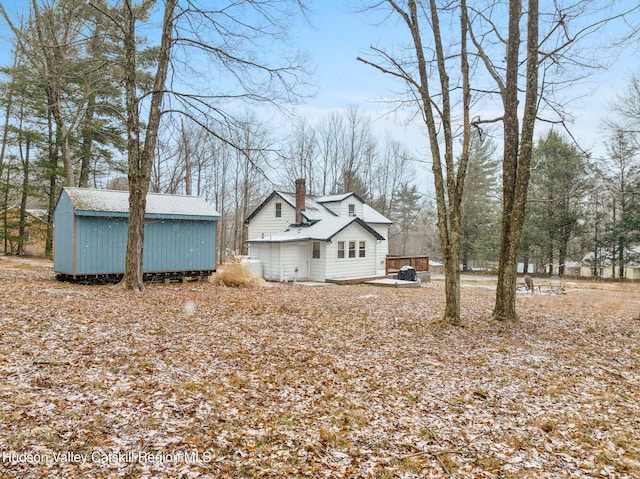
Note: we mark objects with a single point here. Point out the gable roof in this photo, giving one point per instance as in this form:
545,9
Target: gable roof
319,231
315,210
93,202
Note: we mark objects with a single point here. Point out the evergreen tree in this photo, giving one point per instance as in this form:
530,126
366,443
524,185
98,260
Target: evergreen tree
555,201
480,204
622,174
406,213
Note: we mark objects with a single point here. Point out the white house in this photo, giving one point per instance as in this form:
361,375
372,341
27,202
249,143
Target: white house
607,270
317,238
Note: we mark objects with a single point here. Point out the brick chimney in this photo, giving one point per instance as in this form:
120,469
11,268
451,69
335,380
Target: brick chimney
301,193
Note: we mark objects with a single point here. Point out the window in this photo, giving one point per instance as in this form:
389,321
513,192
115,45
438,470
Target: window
352,210
340,249
362,253
278,210
352,249
315,249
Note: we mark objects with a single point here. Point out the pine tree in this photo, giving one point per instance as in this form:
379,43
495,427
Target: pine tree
406,212
555,201
480,204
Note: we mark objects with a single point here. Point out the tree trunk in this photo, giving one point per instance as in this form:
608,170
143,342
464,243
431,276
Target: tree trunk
24,194
187,160
517,155
452,287
53,166
562,257
141,162
449,197
87,141
5,217
621,265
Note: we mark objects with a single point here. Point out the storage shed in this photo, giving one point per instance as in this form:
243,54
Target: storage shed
91,235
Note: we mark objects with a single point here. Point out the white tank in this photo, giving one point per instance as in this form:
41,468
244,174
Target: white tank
253,265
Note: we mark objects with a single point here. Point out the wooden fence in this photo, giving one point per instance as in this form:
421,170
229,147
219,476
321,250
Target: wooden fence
394,263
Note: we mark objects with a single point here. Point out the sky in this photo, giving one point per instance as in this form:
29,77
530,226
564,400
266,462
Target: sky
338,34
341,35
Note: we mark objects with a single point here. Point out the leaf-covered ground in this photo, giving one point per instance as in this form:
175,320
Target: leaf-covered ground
197,380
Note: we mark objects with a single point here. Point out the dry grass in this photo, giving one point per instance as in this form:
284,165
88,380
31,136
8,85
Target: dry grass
198,380
238,275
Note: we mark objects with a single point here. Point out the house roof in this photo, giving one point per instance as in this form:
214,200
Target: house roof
337,198
109,202
369,215
316,211
319,231
38,214
313,209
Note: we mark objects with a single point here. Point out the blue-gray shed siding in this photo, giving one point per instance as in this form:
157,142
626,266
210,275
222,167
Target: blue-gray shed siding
100,245
93,244
63,238
179,245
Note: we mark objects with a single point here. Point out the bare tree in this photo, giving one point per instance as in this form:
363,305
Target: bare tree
140,151
530,64
301,157
428,81
392,169
230,38
517,148
330,137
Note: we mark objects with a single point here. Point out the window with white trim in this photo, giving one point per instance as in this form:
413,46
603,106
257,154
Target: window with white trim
315,250
352,209
362,252
340,249
278,210
352,249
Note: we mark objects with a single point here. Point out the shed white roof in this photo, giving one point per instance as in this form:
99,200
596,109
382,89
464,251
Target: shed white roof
111,201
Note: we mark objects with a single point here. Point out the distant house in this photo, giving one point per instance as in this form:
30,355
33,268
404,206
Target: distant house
301,237
35,233
606,268
91,234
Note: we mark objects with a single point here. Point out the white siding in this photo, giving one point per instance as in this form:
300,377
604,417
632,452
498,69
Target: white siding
318,266
280,260
382,249
351,267
341,208
289,262
269,254
633,272
265,222
607,272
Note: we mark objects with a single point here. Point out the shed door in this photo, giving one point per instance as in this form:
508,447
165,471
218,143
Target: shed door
303,261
